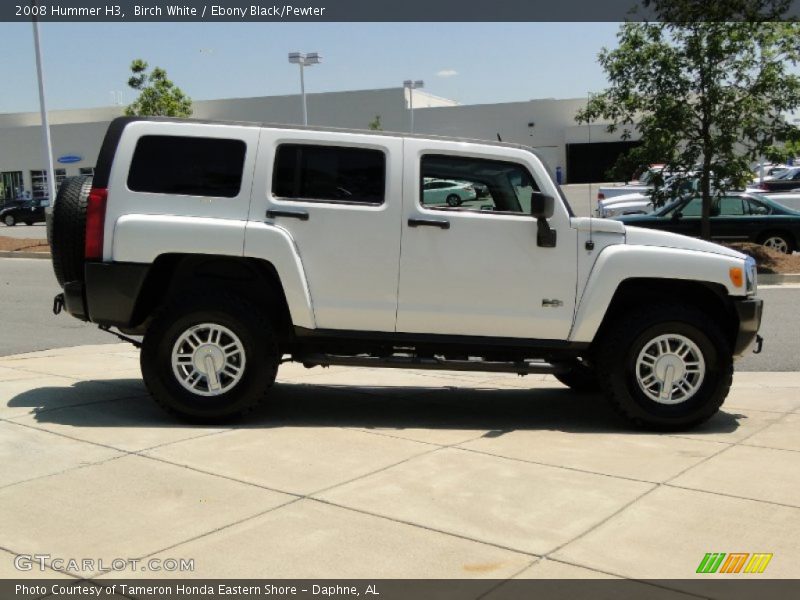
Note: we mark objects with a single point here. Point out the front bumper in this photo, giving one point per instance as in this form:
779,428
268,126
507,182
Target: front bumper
749,311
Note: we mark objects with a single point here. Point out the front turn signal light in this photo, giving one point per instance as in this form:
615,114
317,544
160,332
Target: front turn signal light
737,276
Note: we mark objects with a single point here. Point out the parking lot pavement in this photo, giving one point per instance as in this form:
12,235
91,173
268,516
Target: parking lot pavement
37,231
358,473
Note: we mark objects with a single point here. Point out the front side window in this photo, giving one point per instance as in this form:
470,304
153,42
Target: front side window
329,174
464,183
187,166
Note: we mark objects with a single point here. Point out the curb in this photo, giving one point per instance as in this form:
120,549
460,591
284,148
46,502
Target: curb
22,254
778,278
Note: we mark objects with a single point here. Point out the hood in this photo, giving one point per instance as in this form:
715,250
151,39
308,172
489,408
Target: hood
652,237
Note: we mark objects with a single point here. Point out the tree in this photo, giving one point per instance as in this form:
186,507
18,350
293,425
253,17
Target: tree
158,96
375,124
706,87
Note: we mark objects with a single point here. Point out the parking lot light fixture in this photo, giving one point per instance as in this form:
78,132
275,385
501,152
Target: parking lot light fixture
411,86
304,60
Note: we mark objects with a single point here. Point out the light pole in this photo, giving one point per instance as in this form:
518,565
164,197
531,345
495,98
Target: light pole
411,86
47,143
304,60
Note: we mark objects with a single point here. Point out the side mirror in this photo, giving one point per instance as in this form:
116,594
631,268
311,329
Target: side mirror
542,207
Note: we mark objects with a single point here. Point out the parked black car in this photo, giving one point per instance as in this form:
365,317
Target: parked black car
735,217
24,211
790,180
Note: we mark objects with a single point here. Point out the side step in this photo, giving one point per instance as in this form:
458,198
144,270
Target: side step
528,367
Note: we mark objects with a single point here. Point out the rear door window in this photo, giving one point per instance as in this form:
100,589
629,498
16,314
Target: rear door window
187,166
336,174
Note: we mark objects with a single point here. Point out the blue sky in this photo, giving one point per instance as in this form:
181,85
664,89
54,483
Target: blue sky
468,62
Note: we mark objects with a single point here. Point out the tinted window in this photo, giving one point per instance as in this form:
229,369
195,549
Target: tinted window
463,183
731,206
694,208
329,173
188,166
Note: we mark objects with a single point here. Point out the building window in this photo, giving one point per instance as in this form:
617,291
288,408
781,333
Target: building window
329,174
187,166
10,185
39,182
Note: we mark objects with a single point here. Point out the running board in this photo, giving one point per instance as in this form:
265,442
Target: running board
434,364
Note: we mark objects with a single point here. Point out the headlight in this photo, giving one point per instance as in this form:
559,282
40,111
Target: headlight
751,277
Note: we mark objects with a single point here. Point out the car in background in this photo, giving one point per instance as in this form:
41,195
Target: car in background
640,184
23,211
786,181
735,217
642,203
788,199
444,191
771,171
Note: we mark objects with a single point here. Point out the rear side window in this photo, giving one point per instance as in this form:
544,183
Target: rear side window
329,174
188,166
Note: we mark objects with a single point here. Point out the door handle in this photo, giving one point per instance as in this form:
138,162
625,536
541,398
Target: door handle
440,223
292,214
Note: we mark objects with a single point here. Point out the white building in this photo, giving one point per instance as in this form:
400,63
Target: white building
547,125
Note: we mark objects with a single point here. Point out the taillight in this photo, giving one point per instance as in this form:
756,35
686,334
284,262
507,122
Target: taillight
95,223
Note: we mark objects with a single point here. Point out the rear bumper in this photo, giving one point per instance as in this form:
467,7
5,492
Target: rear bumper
749,311
108,294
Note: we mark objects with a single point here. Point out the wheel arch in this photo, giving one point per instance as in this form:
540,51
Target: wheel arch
254,279
635,292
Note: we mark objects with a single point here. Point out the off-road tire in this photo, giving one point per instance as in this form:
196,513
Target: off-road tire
68,234
240,316
621,344
580,378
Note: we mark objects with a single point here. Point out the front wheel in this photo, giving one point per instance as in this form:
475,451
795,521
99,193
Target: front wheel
666,367
10,220
209,360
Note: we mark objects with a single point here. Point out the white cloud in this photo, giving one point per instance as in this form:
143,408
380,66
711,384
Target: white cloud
447,73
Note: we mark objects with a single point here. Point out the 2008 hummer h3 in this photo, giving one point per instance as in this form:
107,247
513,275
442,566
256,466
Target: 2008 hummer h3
233,246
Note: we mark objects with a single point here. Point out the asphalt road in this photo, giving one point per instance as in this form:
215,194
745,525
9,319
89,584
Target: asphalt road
27,323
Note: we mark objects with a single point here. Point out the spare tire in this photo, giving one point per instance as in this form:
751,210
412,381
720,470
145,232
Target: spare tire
68,234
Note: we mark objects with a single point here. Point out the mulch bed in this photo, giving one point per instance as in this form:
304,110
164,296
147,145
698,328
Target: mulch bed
769,260
23,245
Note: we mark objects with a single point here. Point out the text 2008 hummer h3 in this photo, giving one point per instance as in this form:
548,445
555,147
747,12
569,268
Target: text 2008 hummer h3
232,247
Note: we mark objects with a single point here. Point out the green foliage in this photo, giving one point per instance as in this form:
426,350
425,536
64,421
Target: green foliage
707,87
158,96
375,124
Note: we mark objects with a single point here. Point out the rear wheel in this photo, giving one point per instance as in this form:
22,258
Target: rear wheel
781,242
10,220
666,367
453,200
209,360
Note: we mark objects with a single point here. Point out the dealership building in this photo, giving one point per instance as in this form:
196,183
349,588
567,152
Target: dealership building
581,153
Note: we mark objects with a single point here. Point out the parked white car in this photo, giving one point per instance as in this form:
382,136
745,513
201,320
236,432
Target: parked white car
452,193
626,204
789,199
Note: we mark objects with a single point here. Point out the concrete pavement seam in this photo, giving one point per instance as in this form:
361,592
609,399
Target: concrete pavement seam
715,493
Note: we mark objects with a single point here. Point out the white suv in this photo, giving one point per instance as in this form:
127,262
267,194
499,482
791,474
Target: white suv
233,247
